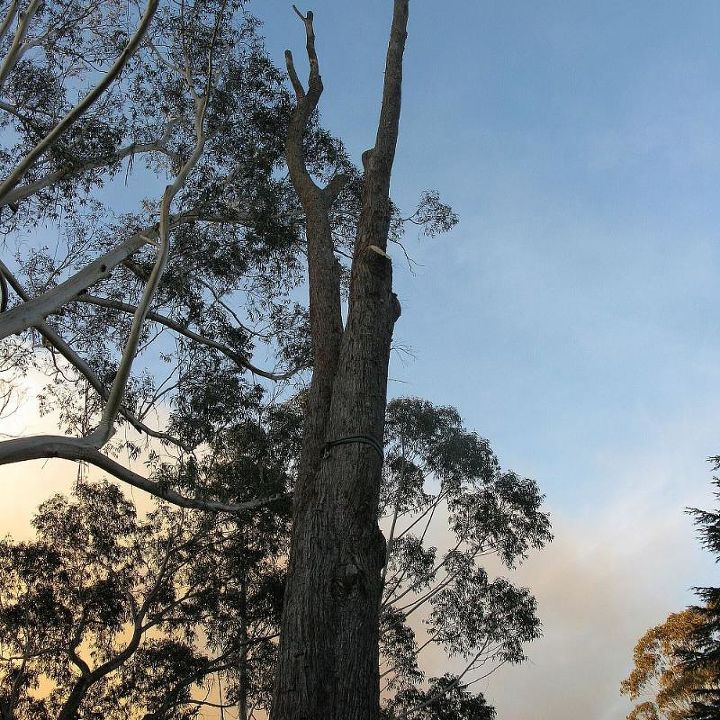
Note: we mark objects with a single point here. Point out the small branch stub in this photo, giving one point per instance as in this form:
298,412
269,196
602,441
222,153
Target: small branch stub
379,251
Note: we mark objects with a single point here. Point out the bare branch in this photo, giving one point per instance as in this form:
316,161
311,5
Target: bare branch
66,448
326,326
4,291
114,402
307,102
294,79
105,429
310,44
376,208
389,123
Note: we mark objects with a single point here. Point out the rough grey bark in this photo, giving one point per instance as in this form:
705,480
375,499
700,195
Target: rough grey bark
328,659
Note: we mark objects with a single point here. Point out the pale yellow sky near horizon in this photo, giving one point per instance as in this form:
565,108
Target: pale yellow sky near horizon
602,581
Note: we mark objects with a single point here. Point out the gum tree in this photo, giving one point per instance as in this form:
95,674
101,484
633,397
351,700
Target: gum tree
443,481
337,488
211,273
213,261
329,641
100,613
440,480
108,614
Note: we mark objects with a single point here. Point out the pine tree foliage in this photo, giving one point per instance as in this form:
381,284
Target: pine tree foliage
702,652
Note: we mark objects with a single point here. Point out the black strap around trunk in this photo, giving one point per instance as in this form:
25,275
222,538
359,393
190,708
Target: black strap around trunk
362,439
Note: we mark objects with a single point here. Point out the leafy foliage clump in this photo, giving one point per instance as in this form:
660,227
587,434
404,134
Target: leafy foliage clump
438,474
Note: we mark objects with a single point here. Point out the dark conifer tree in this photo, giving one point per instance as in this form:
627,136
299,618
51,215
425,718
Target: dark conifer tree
703,651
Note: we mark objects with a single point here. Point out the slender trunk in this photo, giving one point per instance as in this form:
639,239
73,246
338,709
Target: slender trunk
328,658
243,680
71,707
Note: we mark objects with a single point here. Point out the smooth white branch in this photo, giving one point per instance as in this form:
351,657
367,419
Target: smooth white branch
30,314
79,449
81,108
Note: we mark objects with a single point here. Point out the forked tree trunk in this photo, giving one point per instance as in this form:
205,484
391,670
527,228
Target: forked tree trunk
328,660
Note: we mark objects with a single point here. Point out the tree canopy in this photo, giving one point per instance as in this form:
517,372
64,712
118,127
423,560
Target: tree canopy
108,615
93,554
174,314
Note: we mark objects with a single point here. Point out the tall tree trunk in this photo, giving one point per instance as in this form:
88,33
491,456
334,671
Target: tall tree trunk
328,659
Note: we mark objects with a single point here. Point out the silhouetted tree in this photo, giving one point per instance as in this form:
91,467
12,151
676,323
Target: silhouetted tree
442,480
82,604
701,654
236,569
105,615
213,259
445,699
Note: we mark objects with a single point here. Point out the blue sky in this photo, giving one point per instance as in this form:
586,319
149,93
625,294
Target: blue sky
574,315
575,307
